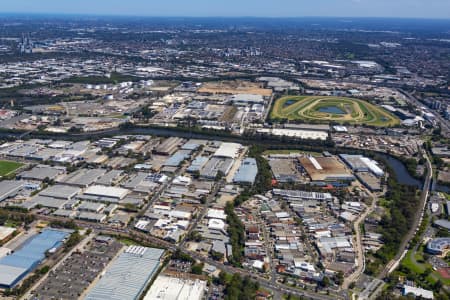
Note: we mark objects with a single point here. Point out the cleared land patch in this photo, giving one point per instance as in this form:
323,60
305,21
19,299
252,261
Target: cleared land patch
235,87
323,109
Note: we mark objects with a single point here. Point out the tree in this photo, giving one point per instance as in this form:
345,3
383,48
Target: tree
325,282
74,129
197,269
219,175
339,279
194,236
216,255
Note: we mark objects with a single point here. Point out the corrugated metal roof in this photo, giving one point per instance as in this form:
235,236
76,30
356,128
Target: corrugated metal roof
22,261
228,150
247,171
128,276
176,159
198,163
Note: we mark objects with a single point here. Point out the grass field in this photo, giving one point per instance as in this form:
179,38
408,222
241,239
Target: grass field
323,109
417,268
7,167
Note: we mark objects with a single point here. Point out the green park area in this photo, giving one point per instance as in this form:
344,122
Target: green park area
415,267
327,109
7,167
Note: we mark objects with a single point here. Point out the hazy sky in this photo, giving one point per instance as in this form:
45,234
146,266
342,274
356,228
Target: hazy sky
232,8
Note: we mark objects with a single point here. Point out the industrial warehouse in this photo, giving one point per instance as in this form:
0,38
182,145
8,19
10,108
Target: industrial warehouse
128,276
171,288
325,169
14,267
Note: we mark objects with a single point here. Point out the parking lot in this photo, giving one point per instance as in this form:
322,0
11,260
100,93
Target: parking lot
78,271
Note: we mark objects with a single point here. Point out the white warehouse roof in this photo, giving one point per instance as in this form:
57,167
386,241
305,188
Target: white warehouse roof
106,191
216,224
169,288
228,150
372,165
216,214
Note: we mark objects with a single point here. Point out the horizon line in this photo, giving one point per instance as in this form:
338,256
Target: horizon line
61,14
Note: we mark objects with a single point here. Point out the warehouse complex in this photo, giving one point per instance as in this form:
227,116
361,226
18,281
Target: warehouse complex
325,169
9,188
171,288
14,267
127,277
247,172
359,163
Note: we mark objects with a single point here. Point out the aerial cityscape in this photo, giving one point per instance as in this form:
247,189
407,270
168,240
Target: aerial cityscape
202,154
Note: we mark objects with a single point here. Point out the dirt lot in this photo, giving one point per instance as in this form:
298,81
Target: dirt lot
235,87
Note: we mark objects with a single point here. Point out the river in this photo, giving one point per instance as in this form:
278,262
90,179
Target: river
400,171
403,177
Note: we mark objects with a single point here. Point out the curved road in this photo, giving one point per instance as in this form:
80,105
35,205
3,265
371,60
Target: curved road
358,245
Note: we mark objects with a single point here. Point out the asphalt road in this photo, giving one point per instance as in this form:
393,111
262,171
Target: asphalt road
358,245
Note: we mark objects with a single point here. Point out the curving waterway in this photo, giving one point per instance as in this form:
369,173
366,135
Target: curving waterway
399,169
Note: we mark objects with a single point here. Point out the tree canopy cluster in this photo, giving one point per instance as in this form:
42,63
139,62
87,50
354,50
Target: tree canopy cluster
238,288
236,231
403,204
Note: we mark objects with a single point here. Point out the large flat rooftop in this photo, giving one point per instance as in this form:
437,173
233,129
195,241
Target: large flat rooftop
170,288
324,168
127,276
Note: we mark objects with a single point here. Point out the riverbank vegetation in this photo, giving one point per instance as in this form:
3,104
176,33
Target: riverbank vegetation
402,203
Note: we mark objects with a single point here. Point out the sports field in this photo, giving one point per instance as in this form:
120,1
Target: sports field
323,109
7,167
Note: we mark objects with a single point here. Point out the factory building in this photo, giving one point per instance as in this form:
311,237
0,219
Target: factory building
216,165
228,150
82,177
169,146
247,172
128,276
108,194
62,192
246,99
41,172
171,288
359,163
5,233
295,195
14,267
10,188
325,170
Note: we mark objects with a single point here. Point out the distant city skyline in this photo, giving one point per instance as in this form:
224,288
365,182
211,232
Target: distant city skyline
234,8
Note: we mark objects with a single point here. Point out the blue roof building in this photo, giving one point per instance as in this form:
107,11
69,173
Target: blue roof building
16,266
197,164
177,158
438,246
247,172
